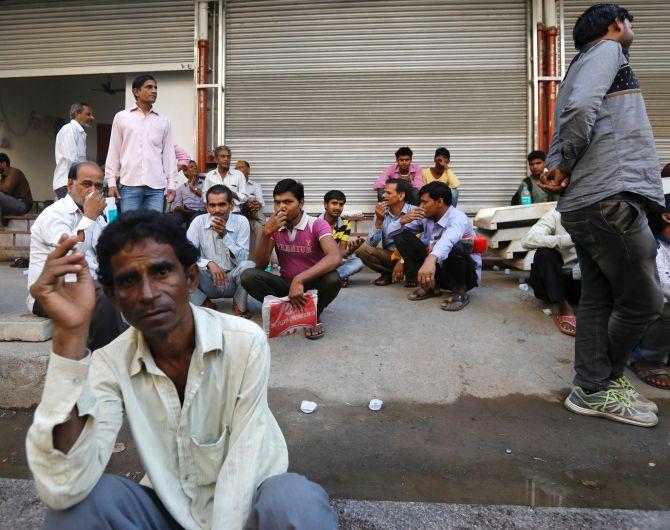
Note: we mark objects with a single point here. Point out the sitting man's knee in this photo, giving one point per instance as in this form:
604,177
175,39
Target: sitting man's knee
248,276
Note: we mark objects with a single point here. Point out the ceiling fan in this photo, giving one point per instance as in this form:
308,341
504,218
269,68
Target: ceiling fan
108,89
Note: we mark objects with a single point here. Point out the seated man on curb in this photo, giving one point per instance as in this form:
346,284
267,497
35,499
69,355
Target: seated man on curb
78,214
223,242
536,164
390,209
649,359
15,195
252,209
333,203
190,382
551,274
187,203
439,259
306,251
403,169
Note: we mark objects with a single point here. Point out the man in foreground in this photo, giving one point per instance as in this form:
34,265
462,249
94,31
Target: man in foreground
70,147
306,251
141,157
191,382
601,116
438,259
77,214
223,243
389,209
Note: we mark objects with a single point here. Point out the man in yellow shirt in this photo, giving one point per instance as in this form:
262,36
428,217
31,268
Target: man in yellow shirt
440,172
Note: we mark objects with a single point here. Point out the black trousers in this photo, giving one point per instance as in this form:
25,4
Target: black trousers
457,271
260,283
548,279
106,323
621,291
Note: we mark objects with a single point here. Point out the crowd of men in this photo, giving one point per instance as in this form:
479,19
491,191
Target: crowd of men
140,291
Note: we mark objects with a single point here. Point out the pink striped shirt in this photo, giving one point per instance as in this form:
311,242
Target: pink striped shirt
141,150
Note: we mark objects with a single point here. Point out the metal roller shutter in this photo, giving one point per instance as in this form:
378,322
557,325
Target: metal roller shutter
649,56
95,36
326,91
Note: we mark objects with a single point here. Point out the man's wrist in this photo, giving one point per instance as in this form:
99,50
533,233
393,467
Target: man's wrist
70,343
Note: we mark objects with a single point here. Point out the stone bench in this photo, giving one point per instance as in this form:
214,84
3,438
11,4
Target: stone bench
23,326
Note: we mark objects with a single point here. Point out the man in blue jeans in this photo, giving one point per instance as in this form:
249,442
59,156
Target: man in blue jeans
604,163
141,159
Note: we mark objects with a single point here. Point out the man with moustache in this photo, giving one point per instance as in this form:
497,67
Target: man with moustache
190,382
233,179
77,214
252,209
70,145
223,242
307,254
187,204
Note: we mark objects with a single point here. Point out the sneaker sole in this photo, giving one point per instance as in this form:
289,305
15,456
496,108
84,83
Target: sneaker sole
590,412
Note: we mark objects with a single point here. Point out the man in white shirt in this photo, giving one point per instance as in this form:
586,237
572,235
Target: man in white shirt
78,214
141,157
71,145
223,242
190,382
252,209
231,178
551,274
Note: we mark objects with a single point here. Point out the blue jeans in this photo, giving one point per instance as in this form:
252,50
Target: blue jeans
136,197
232,287
351,266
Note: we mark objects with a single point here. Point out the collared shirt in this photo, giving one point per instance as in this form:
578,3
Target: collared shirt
548,232
70,149
342,229
14,183
141,150
204,457
227,251
382,234
234,179
62,217
448,177
186,198
300,248
255,191
393,172
442,235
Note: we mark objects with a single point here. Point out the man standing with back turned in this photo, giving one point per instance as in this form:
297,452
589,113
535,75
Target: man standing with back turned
603,160
141,152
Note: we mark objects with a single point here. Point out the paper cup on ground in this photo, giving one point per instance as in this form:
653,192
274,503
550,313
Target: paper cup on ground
308,407
375,404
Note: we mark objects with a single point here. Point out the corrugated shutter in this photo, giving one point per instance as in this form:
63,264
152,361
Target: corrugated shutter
95,36
326,91
649,57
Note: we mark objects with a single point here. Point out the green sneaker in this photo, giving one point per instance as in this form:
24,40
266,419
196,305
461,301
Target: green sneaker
624,385
611,404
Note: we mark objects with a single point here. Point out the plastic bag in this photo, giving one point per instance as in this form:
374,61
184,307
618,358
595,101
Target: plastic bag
279,317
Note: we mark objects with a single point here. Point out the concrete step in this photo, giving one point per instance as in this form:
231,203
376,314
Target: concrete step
511,250
23,366
491,218
502,236
25,327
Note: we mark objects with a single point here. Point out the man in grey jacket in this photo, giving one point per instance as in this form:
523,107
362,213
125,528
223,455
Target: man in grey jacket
604,162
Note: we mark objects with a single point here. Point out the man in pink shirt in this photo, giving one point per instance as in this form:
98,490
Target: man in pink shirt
403,169
141,152
307,254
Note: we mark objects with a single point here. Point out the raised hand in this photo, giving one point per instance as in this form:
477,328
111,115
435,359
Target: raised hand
415,214
274,223
94,205
380,210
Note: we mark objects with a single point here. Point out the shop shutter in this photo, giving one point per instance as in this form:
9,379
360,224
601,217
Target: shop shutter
326,91
95,36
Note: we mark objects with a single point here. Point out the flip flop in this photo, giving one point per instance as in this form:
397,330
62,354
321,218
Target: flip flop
239,313
422,294
646,375
382,281
455,298
566,325
345,283
315,335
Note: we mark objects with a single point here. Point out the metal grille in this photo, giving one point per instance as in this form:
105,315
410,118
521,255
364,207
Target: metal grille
326,91
649,57
95,36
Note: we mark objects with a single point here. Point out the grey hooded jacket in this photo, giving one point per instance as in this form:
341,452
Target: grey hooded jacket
602,136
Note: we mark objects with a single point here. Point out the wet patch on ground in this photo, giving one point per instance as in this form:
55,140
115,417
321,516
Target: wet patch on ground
516,449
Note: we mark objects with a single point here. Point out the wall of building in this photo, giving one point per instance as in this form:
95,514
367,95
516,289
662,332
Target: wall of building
32,109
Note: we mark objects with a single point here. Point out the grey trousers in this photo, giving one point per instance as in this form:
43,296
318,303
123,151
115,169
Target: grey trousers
287,501
621,292
233,286
11,205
